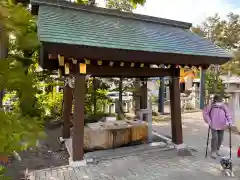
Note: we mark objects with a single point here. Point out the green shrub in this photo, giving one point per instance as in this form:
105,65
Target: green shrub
51,103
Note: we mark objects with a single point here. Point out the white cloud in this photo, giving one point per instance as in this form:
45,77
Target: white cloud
193,11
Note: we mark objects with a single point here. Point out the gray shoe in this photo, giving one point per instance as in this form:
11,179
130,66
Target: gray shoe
213,155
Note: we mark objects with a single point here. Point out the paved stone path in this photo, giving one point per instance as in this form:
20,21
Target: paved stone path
158,164
195,133
147,166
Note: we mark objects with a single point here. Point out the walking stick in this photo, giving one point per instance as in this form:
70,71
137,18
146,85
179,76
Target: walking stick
230,153
230,142
209,128
206,153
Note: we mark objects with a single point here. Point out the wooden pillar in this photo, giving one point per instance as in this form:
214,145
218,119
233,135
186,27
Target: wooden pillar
144,97
161,96
137,94
78,118
67,110
177,136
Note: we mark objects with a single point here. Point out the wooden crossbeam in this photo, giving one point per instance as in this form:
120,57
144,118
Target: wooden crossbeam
106,71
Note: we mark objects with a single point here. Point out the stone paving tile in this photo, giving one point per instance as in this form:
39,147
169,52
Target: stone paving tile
120,152
146,166
195,134
154,165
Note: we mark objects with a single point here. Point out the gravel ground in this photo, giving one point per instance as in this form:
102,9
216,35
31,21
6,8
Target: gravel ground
50,153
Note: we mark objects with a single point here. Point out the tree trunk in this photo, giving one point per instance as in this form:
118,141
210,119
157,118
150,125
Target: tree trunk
3,55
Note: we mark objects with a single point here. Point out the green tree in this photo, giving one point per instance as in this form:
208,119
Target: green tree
225,34
122,5
116,4
21,127
18,74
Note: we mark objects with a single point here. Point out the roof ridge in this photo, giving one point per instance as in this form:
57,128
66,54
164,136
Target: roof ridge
111,12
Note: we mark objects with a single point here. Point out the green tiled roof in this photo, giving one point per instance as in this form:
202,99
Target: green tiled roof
100,28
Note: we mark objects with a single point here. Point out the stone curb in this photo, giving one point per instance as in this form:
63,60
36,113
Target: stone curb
126,151
169,142
163,138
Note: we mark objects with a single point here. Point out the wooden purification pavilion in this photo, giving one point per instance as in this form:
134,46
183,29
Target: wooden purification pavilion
82,40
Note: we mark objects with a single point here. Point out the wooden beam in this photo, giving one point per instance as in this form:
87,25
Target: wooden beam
67,110
106,71
78,121
61,60
177,136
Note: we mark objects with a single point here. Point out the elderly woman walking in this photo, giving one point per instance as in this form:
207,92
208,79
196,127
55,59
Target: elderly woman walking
217,116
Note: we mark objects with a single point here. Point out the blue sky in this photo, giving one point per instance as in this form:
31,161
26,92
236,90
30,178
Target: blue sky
236,3
193,11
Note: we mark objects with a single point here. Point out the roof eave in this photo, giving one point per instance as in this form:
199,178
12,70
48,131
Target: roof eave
109,54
